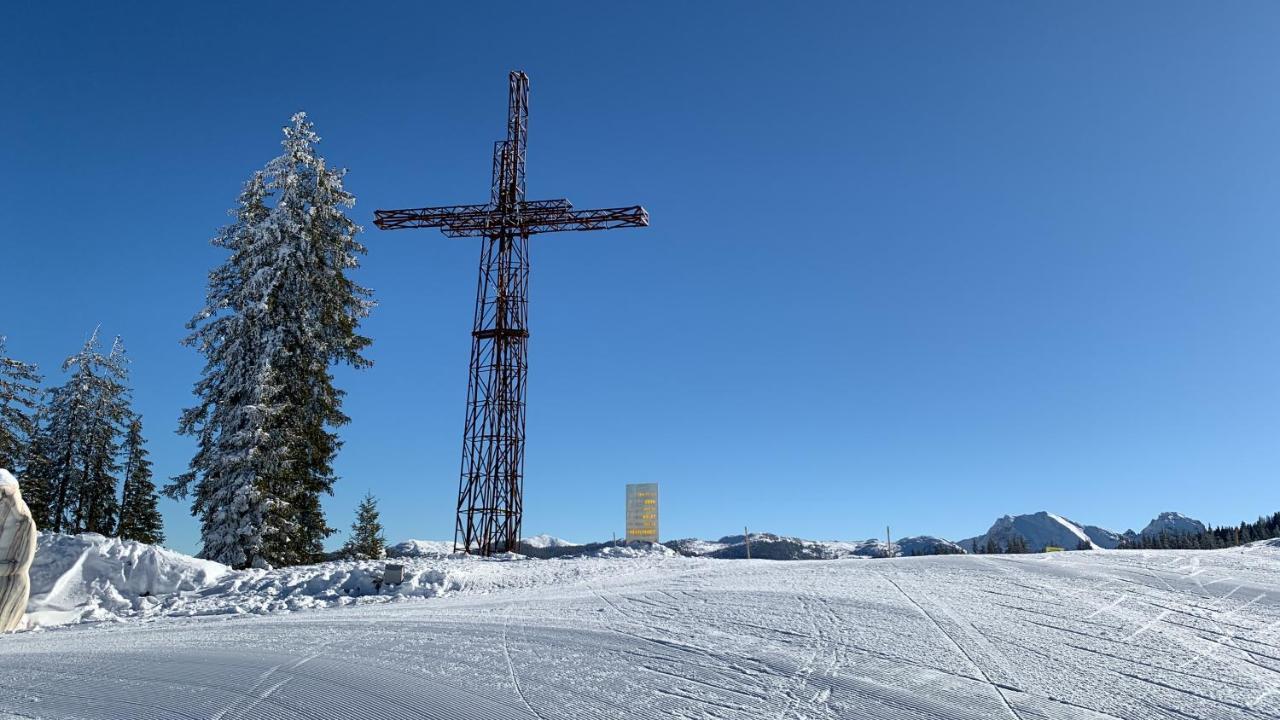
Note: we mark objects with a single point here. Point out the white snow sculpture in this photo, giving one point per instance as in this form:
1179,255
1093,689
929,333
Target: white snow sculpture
17,549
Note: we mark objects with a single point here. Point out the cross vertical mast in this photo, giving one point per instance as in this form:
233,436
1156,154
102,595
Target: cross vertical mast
491,486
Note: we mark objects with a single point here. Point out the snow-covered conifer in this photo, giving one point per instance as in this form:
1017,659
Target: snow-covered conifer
80,441
139,518
235,452
280,311
367,541
19,397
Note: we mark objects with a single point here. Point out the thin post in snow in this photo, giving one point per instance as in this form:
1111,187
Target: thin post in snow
746,537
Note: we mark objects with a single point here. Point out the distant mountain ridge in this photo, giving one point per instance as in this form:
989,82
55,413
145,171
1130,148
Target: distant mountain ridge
764,546
1045,529
1037,531
768,546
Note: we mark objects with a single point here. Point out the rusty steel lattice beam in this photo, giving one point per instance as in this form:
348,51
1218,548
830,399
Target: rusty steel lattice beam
491,487
482,220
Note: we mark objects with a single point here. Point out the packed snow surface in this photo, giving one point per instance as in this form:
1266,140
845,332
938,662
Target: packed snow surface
649,634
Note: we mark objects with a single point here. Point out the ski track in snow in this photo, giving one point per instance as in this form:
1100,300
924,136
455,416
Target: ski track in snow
1071,636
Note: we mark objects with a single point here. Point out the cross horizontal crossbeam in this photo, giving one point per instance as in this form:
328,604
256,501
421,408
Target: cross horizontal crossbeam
530,218
491,481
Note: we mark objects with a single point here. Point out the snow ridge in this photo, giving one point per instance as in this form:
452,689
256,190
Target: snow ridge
1072,528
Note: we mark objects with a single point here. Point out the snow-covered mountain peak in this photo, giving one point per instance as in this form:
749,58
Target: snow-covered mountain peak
545,541
1173,523
1040,530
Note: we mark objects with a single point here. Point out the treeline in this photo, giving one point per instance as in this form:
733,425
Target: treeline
1264,528
78,447
938,549
280,312
1015,545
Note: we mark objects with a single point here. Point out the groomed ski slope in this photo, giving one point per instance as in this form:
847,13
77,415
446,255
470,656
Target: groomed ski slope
1119,634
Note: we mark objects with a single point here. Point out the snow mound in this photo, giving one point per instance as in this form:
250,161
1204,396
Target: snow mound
633,550
90,578
547,541
78,578
1172,523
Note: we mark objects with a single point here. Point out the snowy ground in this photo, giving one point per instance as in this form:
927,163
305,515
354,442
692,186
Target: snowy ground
1117,634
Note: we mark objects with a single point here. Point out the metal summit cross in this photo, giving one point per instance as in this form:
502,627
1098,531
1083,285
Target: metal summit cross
490,490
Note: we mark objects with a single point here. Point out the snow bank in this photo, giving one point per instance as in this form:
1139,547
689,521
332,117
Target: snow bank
91,578
633,550
79,578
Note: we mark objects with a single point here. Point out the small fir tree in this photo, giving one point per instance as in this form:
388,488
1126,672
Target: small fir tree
367,541
139,518
79,443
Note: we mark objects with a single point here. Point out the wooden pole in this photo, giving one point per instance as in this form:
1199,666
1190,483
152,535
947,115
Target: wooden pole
888,543
746,537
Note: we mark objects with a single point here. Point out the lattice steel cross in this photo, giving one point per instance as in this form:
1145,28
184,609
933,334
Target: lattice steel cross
491,487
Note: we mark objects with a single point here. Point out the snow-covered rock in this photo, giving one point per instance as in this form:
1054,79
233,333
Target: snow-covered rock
1172,523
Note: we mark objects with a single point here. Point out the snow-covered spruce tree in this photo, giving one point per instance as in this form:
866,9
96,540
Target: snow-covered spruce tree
235,452
80,441
367,541
280,311
139,518
318,309
19,398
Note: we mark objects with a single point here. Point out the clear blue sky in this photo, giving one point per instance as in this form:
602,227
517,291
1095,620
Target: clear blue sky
918,264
